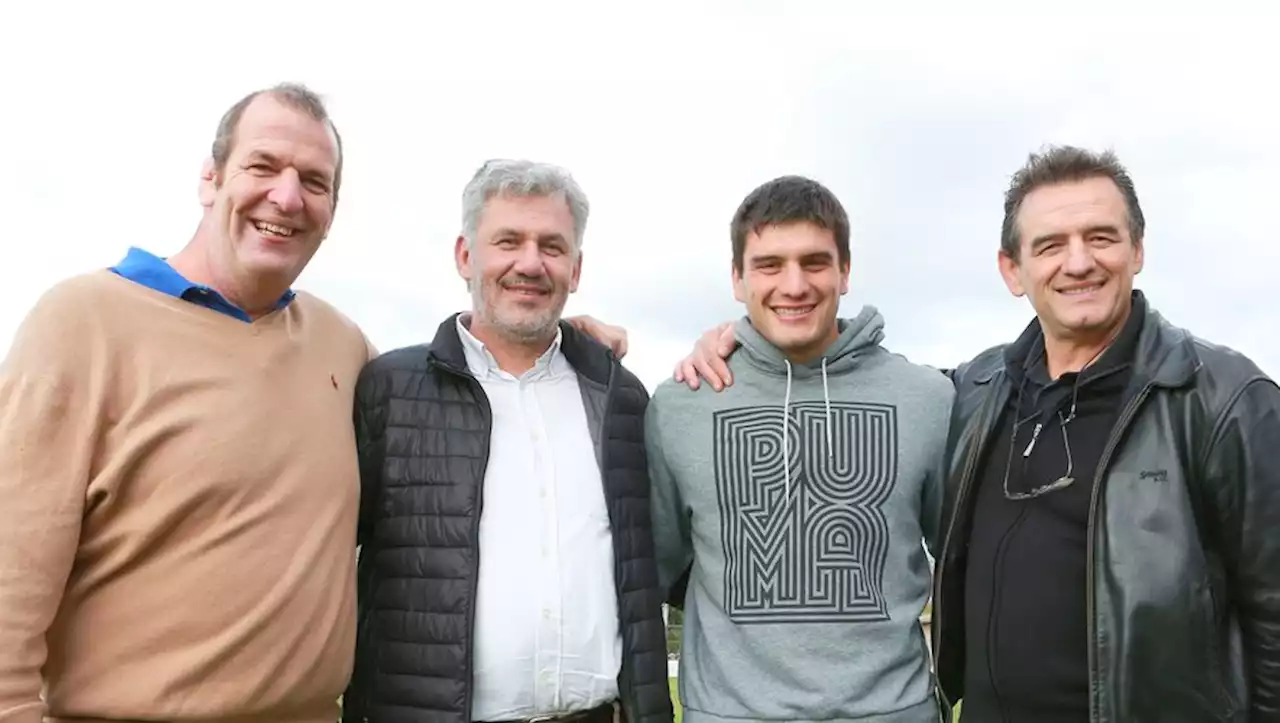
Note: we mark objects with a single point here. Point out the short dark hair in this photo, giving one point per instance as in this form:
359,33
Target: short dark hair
1063,164
789,199
294,95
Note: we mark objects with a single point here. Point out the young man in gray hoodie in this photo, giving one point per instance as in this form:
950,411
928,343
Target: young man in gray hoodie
791,506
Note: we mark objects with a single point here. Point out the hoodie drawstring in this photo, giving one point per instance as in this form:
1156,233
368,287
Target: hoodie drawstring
786,456
826,398
786,404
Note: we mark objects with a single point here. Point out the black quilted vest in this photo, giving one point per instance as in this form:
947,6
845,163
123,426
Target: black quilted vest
423,425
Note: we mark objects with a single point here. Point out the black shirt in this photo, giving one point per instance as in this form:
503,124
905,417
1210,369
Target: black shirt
1026,616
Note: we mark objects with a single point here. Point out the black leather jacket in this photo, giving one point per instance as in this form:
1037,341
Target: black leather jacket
1184,539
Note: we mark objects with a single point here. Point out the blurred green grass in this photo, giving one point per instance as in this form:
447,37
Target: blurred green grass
675,698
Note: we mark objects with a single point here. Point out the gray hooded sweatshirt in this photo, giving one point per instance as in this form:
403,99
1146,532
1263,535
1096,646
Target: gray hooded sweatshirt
800,496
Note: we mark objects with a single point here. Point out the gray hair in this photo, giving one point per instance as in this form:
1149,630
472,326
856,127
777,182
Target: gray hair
294,95
522,179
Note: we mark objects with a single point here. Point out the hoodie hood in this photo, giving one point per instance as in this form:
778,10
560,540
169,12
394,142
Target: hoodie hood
802,556
859,337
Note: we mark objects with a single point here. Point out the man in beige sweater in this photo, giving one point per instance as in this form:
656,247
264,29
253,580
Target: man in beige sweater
178,484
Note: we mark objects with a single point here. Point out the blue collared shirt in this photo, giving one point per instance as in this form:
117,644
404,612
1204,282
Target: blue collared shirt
154,272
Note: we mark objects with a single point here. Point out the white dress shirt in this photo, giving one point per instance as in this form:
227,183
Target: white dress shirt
546,636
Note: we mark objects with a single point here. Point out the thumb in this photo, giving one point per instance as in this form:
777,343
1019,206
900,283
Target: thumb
727,342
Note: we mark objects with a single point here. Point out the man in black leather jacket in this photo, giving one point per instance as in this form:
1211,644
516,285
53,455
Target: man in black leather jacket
1113,487
1111,551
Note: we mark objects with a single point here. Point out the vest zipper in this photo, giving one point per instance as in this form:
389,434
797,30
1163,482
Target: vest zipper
474,583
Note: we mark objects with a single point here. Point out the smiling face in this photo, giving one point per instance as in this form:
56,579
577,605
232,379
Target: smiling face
791,282
1077,259
521,266
272,202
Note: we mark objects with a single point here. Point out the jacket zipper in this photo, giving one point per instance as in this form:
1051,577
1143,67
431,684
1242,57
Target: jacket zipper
487,410
936,614
1126,416
966,481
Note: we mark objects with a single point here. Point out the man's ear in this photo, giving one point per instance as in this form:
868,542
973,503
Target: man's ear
739,290
462,259
577,274
209,183
1009,272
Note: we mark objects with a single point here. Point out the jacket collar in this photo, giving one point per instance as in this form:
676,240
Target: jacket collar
588,357
1164,355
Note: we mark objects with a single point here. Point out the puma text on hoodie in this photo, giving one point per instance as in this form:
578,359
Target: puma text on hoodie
800,496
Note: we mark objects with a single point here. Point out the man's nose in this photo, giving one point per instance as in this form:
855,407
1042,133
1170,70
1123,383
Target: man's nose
1080,261
529,260
793,282
286,192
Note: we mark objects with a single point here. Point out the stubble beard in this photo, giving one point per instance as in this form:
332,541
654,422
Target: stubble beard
527,330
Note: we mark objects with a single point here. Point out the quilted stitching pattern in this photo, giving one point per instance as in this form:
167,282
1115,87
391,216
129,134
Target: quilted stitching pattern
424,432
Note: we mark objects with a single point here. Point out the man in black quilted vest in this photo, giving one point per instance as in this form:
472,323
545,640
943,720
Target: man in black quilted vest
507,566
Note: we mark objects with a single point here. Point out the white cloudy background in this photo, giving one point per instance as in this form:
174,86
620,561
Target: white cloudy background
668,114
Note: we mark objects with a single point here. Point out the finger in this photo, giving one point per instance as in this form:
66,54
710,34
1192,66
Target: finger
721,368
690,374
710,374
620,346
726,342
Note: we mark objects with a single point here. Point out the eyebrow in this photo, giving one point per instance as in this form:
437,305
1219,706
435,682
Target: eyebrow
274,160
1039,241
263,156
773,258
506,232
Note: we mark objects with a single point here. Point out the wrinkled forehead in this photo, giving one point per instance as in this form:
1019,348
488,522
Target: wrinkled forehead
287,134
1072,208
527,216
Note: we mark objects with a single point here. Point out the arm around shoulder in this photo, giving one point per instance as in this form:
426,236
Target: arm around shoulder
931,512
50,413
673,542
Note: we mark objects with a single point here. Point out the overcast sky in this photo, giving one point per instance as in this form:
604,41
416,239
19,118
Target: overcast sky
668,115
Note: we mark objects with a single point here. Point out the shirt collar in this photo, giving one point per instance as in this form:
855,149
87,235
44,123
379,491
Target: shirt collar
482,364
146,268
